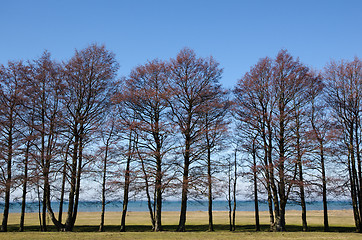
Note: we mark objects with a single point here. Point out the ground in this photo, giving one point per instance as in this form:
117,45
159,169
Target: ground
138,227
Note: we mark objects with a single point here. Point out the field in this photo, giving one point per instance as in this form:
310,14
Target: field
341,222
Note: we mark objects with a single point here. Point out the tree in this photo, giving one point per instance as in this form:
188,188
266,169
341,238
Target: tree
291,79
253,110
215,124
344,85
191,82
127,179
43,99
145,94
267,98
26,117
10,79
107,135
88,75
255,180
321,128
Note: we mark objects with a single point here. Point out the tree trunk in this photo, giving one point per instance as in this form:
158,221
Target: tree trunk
62,191
301,180
324,189
61,201
4,225
302,198
79,172
268,180
280,221
126,185
45,171
209,182
185,184
101,225
234,190
353,193
25,181
182,221
68,221
158,222
58,224
39,206
270,168
149,204
44,209
229,196
256,201
359,174
158,181
353,180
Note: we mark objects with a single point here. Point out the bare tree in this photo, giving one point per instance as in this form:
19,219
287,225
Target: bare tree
267,98
129,155
253,110
145,95
44,99
322,133
88,76
191,81
10,79
215,124
344,85
107,136
26,116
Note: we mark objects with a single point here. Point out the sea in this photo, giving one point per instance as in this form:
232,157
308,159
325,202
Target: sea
141,206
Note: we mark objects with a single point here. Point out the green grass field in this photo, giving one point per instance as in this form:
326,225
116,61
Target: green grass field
138,227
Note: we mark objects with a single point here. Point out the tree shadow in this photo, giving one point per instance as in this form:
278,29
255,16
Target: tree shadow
189,228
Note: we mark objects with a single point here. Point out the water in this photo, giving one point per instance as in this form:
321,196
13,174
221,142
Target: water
141,206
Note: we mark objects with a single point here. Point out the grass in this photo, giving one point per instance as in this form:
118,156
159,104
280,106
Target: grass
138,227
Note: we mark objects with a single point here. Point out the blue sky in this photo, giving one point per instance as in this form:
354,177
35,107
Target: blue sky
236,33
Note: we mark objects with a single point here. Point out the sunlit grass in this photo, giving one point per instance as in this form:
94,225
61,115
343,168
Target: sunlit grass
138,226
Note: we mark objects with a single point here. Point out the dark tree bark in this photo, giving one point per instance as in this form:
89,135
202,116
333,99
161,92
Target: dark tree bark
321,125
126,183
147,185
4,224
215,128
25,181
39,206
300,171
255,180
255,105
209,183
10,78
264,98
62,190
144,97
185,184
229,195
344,83
104,172
324,189
234,188
192,83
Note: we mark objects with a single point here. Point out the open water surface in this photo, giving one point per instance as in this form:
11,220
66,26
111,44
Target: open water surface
141,206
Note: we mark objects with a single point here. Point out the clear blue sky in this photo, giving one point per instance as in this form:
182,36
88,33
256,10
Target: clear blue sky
236,33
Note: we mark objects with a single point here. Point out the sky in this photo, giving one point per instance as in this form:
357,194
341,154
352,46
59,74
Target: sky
236,33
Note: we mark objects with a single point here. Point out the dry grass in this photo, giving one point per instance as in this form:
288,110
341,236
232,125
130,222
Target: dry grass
314,218
138,223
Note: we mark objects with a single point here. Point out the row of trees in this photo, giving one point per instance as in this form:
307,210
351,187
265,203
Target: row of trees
296,120
166,129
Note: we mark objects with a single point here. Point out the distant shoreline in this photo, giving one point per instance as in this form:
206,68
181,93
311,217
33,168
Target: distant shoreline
174,206
312,212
